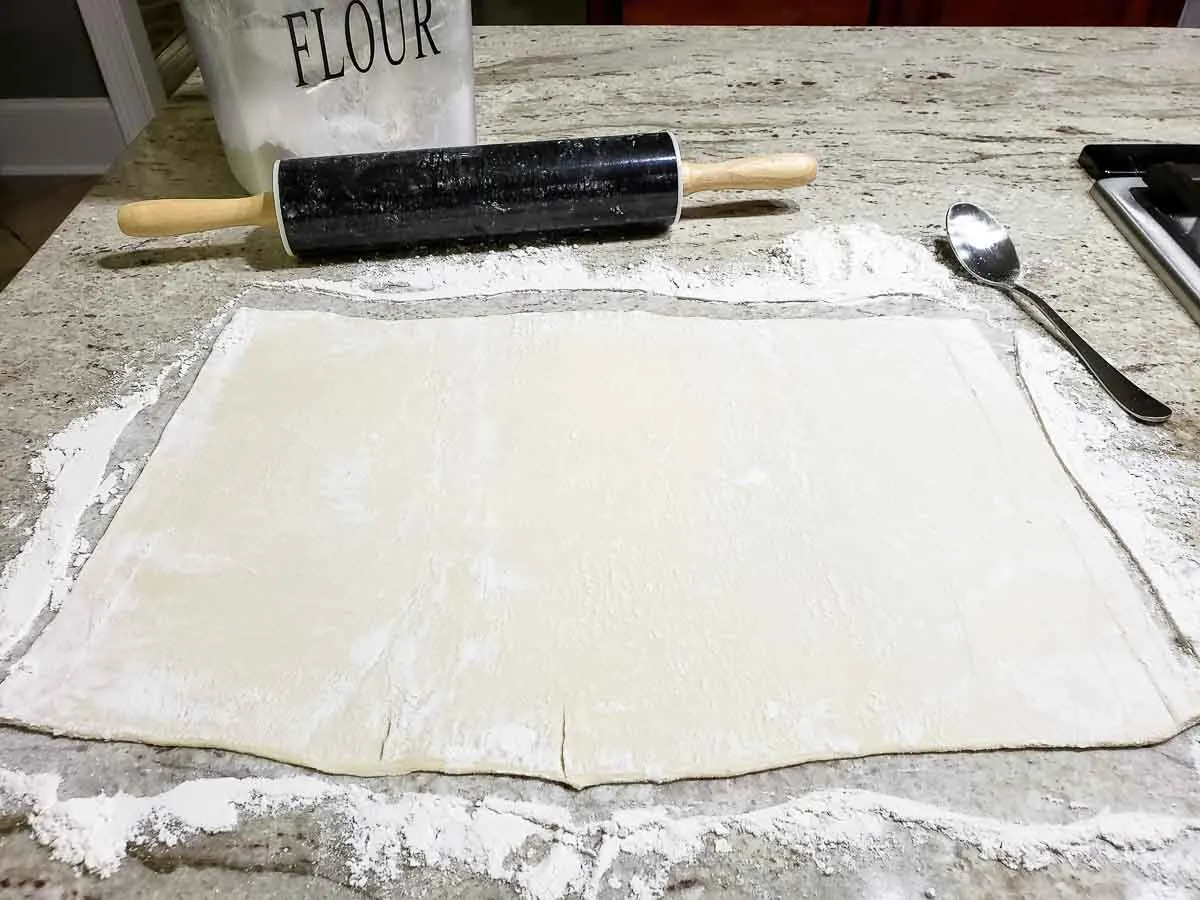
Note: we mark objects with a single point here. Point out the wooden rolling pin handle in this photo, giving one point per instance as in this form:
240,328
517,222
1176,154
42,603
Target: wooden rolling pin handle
164,218
777,170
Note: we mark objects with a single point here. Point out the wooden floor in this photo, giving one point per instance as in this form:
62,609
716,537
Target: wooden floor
31,208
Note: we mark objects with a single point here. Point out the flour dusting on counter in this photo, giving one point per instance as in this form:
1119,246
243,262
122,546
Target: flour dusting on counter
846,265
79,473
542,851
1146,493
73,467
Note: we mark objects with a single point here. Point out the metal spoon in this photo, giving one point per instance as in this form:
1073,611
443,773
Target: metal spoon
982,247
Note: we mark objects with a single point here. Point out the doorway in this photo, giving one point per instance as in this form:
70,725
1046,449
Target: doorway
168,38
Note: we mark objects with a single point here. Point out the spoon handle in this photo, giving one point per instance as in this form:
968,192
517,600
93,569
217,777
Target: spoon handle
1128,395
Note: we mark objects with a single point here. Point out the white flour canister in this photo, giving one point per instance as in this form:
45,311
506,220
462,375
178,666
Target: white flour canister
343,76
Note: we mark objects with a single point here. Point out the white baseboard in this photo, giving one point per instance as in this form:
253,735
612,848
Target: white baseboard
58,136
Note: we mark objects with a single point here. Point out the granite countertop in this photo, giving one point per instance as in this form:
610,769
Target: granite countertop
904,122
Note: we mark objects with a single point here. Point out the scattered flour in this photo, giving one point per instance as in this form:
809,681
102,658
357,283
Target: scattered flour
848,265
72,467
541,850
1127,470
94,832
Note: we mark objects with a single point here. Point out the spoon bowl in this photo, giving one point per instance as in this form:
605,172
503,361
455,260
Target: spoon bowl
982,245
983,248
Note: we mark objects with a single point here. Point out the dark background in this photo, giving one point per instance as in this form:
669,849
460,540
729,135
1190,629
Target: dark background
886,12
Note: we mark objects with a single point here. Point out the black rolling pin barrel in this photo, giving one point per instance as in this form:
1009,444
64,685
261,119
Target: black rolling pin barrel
365,202
362,203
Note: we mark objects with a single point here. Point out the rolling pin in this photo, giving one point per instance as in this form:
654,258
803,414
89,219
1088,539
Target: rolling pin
378,201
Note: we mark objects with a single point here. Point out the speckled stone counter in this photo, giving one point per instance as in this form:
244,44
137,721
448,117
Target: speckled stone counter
904,123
